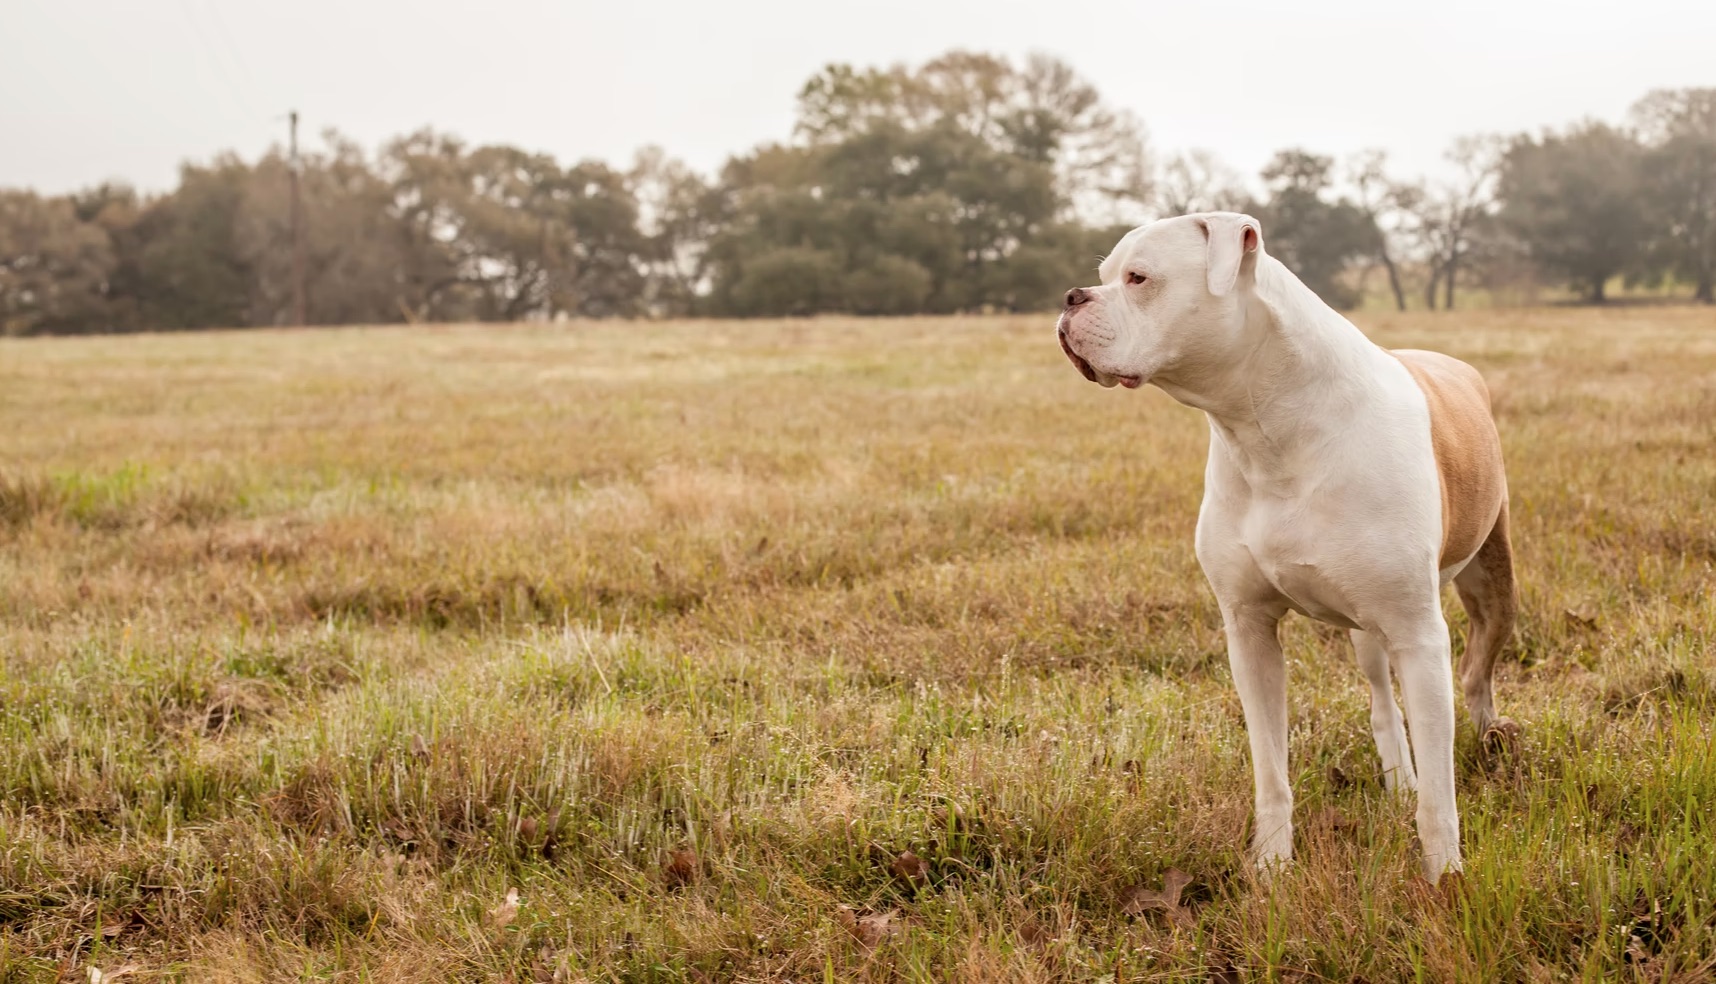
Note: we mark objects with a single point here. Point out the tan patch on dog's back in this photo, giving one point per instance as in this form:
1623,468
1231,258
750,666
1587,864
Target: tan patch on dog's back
1468,449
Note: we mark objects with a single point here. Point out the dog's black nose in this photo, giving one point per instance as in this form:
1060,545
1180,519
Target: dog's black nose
1077,296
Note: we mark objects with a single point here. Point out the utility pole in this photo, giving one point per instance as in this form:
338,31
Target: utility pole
292,168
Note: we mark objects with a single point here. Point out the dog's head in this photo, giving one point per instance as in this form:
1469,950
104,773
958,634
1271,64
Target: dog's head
1172,298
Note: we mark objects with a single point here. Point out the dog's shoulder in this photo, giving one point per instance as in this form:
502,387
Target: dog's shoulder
1443,377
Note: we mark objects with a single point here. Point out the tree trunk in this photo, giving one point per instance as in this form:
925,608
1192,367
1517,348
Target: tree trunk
1430,290
1706,270
1393,279
1597,284
1448,285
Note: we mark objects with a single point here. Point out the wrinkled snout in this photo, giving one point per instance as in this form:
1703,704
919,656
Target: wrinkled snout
1066,346
1074,299
1082,328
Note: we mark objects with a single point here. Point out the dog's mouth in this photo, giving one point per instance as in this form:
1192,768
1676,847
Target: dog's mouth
1090,372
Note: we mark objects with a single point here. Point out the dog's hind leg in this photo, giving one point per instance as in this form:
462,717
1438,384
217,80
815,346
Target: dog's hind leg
1385,720
1486,589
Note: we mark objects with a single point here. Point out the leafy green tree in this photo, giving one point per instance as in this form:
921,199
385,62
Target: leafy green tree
353,248
1573,201
938,188
1319,237
678,214
1679,183
54,267
191,269
498,233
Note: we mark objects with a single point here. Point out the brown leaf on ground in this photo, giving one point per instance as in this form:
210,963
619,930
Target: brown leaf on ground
910,869
1134,773
1578,621
869,928
1338,779
681,868
1334,819
542,968
1138,899
527,827
501,916
1501,739
1637,955
551,838
419,747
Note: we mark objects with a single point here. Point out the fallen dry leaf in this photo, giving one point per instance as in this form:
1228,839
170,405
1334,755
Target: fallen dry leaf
681,867
1134,773
1578,621
1338,779
501,916
542,968
551,839
419,748
527,831
1334,819
871,928
1223,971
1139,899
911,869
1502,738
1033,933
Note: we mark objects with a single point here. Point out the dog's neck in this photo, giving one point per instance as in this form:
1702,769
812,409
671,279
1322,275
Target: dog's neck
1295,376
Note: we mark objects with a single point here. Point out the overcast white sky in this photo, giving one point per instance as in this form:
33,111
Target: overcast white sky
98,89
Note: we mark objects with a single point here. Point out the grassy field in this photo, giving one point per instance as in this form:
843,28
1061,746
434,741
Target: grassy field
808,651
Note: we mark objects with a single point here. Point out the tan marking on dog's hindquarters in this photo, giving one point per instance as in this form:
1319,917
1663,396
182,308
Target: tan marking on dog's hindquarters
1467,447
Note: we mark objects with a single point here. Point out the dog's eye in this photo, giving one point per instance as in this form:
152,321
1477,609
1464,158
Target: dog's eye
1135,278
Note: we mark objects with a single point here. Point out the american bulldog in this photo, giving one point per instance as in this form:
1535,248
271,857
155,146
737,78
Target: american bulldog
1347,482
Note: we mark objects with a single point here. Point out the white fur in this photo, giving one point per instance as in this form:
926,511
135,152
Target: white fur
1321,494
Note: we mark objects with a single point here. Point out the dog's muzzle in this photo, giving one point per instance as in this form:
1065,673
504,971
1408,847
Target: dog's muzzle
1077,360
1089,371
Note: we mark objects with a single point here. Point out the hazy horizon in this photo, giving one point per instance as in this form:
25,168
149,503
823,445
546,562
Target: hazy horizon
113,91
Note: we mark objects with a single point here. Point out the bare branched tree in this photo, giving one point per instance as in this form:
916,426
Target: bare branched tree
1388,205
1197,181
1451,214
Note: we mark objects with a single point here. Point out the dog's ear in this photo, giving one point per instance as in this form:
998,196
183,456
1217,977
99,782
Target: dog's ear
1234,242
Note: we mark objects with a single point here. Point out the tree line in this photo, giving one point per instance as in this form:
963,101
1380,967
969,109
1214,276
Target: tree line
970,182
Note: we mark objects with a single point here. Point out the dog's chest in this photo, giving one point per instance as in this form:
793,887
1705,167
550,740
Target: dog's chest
1309,572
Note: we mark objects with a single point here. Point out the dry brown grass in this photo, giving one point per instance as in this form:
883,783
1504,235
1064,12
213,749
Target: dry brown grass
312,645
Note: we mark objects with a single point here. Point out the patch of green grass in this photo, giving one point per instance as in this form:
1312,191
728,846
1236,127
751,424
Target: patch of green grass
313,646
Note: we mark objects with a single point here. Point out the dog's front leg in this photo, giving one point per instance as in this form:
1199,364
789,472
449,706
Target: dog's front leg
1421,659
1260,675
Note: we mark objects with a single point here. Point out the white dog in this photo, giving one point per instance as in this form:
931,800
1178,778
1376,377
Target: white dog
1346,482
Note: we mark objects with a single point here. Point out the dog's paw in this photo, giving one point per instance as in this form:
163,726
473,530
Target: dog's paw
1267,869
